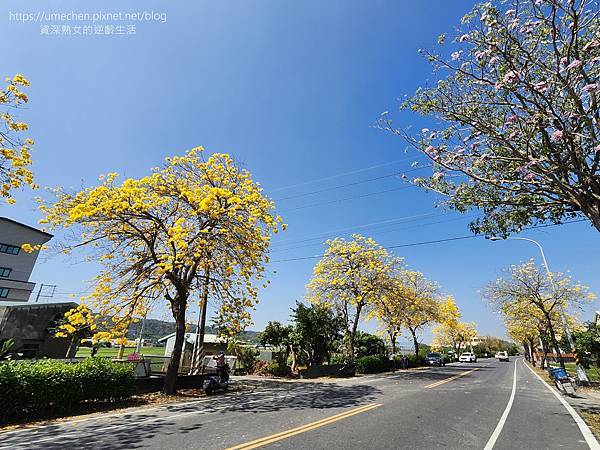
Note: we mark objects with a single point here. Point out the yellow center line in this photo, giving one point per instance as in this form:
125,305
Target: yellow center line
304,428
446,380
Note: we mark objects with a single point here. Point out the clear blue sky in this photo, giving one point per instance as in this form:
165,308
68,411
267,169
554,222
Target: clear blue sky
291,90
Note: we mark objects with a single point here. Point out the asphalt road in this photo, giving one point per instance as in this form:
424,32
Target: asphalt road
482,405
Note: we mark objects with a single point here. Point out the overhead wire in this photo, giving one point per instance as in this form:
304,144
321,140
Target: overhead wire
436,241
342,174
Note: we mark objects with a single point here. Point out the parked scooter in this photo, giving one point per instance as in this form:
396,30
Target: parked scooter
217,381
564,383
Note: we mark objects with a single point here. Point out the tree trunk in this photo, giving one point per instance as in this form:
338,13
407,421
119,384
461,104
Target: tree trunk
531,352
554,342
392,336
350,349
544,353
416,344
68,355
178,308
293,354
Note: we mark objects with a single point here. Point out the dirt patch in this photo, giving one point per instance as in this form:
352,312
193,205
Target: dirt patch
593,421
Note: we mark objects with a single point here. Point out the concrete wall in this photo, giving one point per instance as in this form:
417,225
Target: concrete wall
28,326
13,233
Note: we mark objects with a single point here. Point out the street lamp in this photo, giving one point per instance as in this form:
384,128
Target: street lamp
580,371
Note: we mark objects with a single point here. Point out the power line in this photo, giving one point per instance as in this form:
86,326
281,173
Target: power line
437,241
369,194
454,219
357,227
342,174
355,183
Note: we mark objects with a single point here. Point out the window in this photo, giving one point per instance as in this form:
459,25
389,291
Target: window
4,292
10,249
5,272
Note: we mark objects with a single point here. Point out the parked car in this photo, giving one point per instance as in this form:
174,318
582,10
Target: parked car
468,357
502,356
434,359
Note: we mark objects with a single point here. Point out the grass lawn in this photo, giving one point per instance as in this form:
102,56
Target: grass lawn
593,373
113,351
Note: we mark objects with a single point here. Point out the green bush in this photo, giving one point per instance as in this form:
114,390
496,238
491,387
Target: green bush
247,356
413,361
279,369
372,364
32,389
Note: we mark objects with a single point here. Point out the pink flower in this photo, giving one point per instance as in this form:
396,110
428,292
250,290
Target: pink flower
592,87
510,77
494,60
597,148
563,60
542,86
557,136
438,176
431,151
511,119
529,177
574,65
591,44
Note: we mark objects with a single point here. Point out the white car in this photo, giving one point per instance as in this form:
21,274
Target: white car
502,356
467,357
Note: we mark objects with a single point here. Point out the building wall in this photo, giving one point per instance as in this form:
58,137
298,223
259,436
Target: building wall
21,264
28,326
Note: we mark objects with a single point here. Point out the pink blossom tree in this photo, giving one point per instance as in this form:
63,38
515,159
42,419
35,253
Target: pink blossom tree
516,108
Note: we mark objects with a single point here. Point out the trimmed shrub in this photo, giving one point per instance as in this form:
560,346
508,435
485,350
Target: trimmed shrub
413,361
33,389
372,364
279,369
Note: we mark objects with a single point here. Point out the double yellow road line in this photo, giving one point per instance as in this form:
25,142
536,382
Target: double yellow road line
302,429
446,380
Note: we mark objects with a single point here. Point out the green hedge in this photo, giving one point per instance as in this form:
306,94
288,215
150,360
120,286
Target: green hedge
372,364
32,389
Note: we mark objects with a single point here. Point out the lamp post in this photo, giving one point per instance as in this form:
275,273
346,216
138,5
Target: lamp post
580,371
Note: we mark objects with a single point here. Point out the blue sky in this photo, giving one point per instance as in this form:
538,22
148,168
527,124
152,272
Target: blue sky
291,89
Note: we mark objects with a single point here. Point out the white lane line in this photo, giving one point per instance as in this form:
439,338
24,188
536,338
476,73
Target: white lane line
492,441
591,440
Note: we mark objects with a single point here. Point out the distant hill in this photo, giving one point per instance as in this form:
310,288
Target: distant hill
155,329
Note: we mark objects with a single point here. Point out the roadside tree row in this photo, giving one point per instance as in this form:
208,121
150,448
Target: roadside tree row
359,279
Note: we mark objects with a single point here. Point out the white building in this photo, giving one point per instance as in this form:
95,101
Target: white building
213,344
16,265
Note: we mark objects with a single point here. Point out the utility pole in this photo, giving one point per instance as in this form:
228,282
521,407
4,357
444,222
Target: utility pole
39,292
138,347
198,351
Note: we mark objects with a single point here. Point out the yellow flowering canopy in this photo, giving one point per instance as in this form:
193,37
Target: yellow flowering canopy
350,278
191,223
77,321
15,157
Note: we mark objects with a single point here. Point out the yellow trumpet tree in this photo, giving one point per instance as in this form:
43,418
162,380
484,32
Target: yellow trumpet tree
193,226
77,323
450,332
15,157
350,278
411,302
527,288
